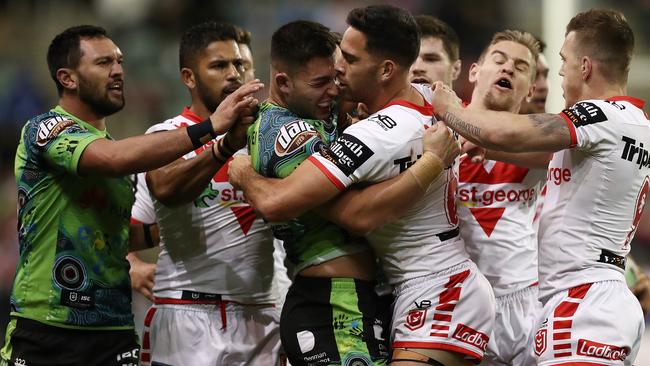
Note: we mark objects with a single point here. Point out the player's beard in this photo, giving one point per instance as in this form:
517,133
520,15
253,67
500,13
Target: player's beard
96,96
207,96
498,104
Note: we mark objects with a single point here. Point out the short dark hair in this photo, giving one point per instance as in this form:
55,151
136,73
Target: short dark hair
390,31
243,36
431,26
294,44
605,36
198,37
65,52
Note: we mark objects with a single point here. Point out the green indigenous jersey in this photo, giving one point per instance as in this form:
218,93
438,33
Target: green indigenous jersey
278,142
73,231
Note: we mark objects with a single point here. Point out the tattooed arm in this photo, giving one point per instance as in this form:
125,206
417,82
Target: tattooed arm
502,131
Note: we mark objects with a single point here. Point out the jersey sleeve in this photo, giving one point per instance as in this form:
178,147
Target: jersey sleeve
60,141
358,155
282,144
142,210
591,126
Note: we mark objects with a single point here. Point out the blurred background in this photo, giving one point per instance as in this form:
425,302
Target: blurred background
148,33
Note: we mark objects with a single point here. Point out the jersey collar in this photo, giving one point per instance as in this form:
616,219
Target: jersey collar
58,109
639,103
187,113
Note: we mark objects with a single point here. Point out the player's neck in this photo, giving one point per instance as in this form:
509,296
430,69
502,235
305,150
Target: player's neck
602,91
200,110
276,99
402,91
83,111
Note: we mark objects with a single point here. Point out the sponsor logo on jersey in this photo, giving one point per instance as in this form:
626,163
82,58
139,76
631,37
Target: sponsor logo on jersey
585,113
558,176
50,128
292,136
405,163
631,150
348,153
489,196
602,350
384,121
415,319
471,336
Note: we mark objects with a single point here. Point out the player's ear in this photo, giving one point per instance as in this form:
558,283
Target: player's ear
387,70
586,67
531,90
473,73
188,78
283,81
67,77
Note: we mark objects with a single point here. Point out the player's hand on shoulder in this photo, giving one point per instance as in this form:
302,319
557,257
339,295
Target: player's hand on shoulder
441,142
239,167
240,107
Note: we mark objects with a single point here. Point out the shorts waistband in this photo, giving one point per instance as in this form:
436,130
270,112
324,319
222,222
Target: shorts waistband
413,282
518,294
201,298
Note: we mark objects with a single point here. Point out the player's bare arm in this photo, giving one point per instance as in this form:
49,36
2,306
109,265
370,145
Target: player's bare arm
143,153
280,200
502,131
361,210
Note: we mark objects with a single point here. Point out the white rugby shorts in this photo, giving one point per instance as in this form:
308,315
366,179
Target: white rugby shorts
600,323
452,310
511,342
226,333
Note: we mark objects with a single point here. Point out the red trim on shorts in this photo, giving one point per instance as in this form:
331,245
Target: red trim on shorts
339,185
440,327
563,354
561,336
443,346
442,317
536,283
578,364
579,292
562,324
639,103
566,309
572,130
149,316
561,346
145,357
446,307
168,301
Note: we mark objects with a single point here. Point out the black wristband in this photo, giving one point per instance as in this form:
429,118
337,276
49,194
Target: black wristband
201,133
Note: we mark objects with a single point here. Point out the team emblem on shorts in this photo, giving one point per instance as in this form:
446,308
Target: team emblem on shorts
540,341
415,319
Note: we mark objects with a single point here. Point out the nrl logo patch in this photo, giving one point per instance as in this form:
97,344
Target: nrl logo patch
292,136
50,128
415,319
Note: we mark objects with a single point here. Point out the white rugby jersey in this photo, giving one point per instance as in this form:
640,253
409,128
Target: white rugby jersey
378,148
214,245
496,206
595,194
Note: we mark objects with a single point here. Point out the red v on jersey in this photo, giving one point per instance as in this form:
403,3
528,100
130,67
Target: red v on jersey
487,217
245,214
500,173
